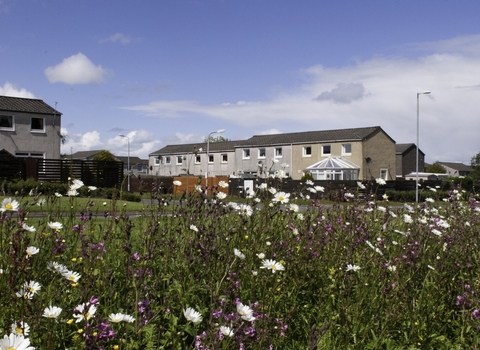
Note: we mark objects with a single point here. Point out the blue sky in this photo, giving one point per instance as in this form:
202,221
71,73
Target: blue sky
171,71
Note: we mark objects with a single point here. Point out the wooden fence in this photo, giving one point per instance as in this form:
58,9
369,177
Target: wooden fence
92,173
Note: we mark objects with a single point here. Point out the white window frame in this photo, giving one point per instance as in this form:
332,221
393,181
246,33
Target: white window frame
38,155
224,158
260,151
41,131
246,153
278,152
5,128
326,153
211,158
168,160
344,147
198,159
156,160
304,151
179,160
384,173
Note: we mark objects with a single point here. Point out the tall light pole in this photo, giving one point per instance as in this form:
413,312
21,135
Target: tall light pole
128,162
208,155
418,141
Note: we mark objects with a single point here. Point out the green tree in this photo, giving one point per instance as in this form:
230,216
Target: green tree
218,138
475,164
436,168
104,155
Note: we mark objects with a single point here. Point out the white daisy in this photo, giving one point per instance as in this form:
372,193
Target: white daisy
192,315
52,312
32,251
15,342
245,312
238,253
272,265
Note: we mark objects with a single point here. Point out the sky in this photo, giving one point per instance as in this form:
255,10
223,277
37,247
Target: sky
172,71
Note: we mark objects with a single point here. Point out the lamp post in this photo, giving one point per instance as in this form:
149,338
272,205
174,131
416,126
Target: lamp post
208,156
128,162
418,141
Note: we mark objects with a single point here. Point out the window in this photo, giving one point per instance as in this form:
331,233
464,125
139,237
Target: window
210,158
179,160
246,154
384,174
37,124
346,149
326,150
278,152
307,151
167,160
198,159
224,158
261,153
139,168
29,154
7,122
158,160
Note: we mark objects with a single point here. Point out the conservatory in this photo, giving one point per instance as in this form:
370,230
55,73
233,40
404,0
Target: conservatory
334,168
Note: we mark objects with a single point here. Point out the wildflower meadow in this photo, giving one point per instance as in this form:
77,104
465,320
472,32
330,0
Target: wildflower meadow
273,271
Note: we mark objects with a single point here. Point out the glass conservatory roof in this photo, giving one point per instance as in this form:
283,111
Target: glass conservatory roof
333,163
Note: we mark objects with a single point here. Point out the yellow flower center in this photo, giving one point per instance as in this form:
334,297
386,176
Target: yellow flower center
19,330
10,348
8,206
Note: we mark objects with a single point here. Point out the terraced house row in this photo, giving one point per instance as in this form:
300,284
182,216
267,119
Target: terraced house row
345,154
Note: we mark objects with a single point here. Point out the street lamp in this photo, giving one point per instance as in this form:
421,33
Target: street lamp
128,162
208,156
418,141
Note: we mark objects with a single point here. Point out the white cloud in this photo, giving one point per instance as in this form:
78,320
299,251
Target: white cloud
270,132
142,142
343,93
118,38
11,90
81,142
76,69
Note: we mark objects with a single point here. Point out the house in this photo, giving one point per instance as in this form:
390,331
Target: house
29,128
191,159
422,176
138,166
83,155
406,159
353,154
456,169
263,155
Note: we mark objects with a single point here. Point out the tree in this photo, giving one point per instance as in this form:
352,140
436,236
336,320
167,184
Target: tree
475,164
105,156
436,168
218,138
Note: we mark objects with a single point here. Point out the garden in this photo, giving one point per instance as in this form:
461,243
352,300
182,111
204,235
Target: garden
275,270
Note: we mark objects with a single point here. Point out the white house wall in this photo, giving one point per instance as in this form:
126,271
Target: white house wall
269,164
22,140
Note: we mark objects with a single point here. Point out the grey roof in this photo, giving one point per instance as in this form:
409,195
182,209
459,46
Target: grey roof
402,148
133,160
354,134
83,154
457,166
228,146
26,105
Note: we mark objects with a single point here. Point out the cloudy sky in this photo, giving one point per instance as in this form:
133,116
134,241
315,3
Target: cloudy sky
171,71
